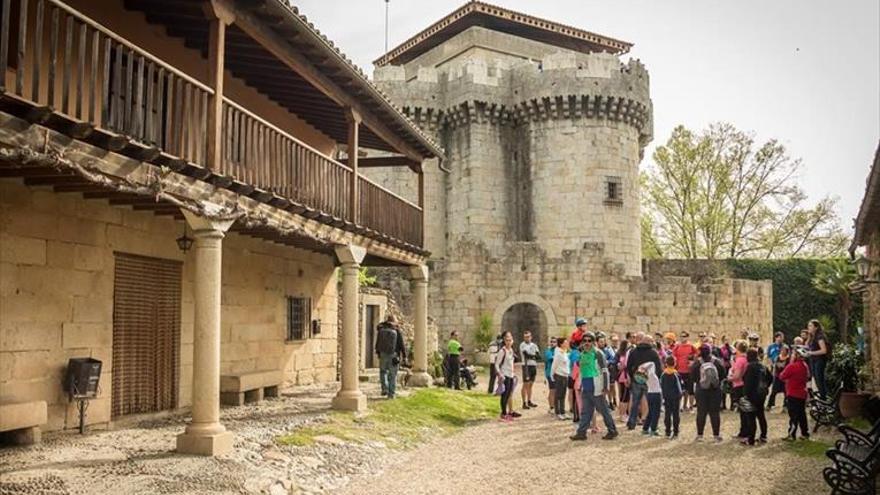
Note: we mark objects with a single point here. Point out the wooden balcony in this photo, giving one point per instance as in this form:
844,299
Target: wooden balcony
67,72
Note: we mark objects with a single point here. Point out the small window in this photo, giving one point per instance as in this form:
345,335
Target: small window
613,191
299,316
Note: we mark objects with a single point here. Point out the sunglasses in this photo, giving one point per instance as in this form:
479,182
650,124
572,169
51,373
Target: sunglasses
588,341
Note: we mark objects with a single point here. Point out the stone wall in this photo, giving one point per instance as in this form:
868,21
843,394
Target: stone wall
56,297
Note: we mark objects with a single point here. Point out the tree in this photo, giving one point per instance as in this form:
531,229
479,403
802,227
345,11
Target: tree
835,276
717,194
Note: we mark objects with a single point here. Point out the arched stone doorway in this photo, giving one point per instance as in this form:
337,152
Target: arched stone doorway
522,317
526,312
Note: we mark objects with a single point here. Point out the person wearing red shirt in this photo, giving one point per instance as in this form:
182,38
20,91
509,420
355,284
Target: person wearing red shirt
684,353
796,375
578,334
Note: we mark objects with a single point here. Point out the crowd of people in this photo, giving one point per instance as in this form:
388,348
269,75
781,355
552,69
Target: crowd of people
643,377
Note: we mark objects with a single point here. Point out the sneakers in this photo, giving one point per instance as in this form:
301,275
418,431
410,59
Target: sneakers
762,440
531,404
577,437
699,438
611,435
526,405
654,433
506,418
717,439
515,415
562,417
646,432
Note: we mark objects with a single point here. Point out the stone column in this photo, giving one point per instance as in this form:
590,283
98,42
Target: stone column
420,376
349,397
205,435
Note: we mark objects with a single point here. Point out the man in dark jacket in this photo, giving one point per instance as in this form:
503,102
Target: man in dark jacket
643,353
392,351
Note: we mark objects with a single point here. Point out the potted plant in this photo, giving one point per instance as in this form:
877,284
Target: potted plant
846,369
482,339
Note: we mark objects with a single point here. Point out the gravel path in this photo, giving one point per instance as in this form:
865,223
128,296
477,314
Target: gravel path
534,455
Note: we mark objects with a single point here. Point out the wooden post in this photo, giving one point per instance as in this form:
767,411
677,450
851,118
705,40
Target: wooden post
354,119
422,205
219,17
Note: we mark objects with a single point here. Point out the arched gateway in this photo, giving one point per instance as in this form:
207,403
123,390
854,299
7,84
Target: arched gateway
526,312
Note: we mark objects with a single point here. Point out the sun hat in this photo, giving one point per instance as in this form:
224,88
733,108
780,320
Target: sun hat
669,336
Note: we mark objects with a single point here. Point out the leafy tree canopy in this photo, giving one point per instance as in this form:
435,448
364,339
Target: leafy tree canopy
719,194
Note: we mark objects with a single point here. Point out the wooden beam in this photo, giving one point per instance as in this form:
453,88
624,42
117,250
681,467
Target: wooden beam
296,60
353,119
386,161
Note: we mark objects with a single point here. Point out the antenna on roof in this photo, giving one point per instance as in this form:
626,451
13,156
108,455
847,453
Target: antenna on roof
387,3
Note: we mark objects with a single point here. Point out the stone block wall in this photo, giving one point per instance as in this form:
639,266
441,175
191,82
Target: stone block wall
56,297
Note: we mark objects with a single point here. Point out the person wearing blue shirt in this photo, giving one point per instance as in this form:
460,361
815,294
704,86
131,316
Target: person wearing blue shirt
773,351
574,356
548,375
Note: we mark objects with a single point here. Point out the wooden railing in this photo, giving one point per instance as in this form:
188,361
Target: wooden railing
387,212
64,62
259,153
68,63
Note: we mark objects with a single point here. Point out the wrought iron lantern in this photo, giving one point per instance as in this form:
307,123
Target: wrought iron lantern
184,242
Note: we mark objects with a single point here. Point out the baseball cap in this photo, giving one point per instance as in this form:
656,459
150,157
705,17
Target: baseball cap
580,321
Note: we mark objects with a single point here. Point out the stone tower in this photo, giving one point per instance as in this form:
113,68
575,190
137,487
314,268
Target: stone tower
533,218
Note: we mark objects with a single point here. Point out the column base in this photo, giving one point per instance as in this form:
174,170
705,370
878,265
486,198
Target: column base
211,445
350,401
420,379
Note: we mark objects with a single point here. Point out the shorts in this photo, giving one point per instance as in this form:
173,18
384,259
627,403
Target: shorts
687,384
530,371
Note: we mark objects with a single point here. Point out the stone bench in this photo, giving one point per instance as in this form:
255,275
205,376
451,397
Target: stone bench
20,422
239,388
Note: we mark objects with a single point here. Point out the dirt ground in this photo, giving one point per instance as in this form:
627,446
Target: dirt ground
531,455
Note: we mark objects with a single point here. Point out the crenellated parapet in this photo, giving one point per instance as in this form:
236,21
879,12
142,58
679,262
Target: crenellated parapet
565,86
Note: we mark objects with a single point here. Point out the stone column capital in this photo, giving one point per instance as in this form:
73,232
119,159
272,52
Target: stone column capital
419,273
204,226
350,254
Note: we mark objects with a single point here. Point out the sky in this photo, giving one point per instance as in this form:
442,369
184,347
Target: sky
805,72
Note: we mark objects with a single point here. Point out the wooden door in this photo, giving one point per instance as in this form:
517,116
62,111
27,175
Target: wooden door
146,334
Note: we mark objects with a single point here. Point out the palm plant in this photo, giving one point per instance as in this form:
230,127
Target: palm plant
834,276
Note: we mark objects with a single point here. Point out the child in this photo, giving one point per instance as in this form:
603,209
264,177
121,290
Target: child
670,385
655,398
796,376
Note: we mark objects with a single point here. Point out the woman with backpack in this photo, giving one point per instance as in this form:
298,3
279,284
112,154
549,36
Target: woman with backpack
708,372
755,386
506,376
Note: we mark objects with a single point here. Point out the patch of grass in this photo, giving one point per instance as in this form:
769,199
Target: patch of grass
808,448
402,422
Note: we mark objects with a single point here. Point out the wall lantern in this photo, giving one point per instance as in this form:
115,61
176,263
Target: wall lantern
184,242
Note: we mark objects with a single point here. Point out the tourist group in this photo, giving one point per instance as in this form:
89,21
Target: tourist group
643,376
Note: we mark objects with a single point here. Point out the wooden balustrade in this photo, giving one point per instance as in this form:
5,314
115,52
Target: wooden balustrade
387,212
65,62
261,154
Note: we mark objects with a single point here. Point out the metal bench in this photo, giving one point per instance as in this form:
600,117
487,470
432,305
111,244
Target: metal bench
240,388
856,462
20,422
826,412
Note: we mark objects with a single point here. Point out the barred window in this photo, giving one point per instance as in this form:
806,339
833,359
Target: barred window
299,317
613,190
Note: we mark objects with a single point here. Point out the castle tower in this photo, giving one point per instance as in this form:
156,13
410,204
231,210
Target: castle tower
533,217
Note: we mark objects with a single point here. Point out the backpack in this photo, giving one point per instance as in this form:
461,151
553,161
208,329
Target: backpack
763,382
709,379
386,339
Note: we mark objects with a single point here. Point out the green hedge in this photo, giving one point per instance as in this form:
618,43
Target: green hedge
795,301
